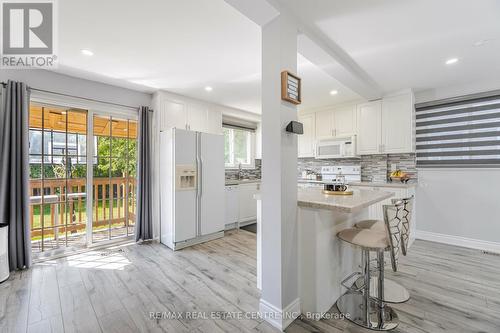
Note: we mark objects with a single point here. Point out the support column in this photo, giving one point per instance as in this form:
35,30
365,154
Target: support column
279,303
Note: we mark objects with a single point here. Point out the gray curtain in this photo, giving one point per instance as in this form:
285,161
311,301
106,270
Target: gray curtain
14,209
144,223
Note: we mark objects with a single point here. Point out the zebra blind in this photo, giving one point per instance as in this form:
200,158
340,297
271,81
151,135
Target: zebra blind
463,134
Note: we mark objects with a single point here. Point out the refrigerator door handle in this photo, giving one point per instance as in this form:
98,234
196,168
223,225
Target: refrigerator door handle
201,177
200,184
197,186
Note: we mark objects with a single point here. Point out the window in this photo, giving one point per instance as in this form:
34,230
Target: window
239,147
461,133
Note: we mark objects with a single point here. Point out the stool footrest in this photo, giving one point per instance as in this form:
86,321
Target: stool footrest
352,278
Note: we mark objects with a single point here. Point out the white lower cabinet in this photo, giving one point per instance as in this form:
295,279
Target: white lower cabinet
247,203
241,205
231,213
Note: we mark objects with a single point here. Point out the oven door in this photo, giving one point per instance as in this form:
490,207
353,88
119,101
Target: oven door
330,149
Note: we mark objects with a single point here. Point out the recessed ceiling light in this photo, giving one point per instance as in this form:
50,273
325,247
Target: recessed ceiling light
87,52
482,42
208,88
334,92
451,61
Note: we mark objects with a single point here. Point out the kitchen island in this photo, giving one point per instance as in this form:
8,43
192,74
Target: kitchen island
324,260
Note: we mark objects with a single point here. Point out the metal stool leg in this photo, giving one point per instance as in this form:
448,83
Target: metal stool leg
364,310
366,290
393,291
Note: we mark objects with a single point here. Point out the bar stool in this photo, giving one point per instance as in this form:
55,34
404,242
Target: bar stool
394,292
357,304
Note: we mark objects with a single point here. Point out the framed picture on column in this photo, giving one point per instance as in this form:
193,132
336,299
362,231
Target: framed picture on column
290,88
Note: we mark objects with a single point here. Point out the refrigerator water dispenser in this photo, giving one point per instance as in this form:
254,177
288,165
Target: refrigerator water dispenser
185,177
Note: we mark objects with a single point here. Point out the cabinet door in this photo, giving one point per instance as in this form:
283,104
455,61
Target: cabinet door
369,127
344,120
324,124
247,204
214,122
173,114
232,205
306,141
397,124
197,117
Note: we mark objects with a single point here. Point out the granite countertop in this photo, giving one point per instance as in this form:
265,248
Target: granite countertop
314,198
393,184
386,184
230,182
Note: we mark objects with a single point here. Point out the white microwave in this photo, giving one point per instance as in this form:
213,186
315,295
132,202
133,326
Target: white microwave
336,147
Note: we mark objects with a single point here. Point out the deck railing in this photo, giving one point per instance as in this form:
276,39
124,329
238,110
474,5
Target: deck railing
106,192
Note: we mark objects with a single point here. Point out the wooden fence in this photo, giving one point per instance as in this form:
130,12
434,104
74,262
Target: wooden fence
105,190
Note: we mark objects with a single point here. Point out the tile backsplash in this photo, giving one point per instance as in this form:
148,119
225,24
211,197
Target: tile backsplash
375,168
255,173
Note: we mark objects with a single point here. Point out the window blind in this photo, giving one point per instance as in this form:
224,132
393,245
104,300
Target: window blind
459,134
238,123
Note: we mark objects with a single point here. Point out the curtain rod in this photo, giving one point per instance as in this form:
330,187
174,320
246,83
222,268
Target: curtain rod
85,98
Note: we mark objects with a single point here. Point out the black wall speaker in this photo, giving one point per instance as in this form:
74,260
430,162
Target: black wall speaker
295,127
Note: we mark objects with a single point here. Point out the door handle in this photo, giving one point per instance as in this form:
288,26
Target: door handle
201,177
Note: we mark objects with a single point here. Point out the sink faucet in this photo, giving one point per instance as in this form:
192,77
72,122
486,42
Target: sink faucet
239,171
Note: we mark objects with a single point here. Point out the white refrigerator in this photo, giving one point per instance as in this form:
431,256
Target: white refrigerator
192,180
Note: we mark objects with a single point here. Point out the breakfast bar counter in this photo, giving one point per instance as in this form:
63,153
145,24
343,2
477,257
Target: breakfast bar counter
360,199
324,261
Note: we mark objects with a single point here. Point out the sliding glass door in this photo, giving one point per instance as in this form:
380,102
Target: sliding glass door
114,177
80,161
58,177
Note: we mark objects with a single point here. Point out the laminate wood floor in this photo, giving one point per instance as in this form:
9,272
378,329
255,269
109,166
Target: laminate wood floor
114,290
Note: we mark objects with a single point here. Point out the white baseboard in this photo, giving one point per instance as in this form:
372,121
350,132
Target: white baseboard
459,241
279,318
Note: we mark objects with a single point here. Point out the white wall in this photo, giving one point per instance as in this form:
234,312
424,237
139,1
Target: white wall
454,91
453,204
46,80
460,202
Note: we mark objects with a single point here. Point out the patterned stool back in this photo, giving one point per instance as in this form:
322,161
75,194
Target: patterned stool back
393,218
406,216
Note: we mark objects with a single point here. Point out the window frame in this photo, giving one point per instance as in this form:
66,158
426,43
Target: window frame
251,148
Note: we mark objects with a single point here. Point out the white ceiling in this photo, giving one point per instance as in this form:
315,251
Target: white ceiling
180,46
183,46
316,87
404,43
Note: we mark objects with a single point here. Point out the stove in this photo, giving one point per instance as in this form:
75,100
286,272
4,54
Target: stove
330,174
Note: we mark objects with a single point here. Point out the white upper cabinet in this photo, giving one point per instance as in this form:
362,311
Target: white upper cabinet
340,121
344,120
324,125
387,126
369,127
306,141
214,123
173,114
197,119
185,113
397,124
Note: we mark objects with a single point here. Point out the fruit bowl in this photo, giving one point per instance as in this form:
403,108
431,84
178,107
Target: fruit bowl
403,179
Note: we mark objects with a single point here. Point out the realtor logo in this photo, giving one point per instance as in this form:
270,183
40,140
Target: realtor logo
28,34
